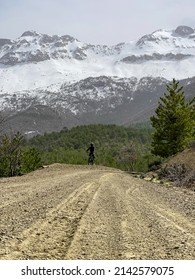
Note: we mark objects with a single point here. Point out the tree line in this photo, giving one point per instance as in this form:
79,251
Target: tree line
127,148
115,146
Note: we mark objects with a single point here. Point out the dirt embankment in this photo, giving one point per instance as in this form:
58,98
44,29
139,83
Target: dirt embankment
81,212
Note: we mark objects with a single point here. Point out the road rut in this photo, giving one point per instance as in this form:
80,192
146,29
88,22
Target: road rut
80,212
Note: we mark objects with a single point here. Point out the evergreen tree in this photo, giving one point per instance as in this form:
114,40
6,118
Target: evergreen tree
174,122
30,160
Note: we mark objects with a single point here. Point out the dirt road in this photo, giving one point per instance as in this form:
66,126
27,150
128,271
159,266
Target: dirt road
81,212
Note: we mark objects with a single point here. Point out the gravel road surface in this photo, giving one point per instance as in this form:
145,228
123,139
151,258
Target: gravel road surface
92,213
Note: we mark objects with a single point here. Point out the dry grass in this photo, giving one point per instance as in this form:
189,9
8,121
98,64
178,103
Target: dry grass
186,157
180,168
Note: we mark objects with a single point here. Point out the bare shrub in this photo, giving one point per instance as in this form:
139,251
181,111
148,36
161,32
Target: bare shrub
180,174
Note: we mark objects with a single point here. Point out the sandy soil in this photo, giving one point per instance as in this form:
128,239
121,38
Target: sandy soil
83,212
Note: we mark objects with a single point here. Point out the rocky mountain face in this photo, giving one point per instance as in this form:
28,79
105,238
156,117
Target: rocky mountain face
48,82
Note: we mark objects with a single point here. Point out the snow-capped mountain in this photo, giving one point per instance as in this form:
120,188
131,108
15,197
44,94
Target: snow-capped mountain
79,80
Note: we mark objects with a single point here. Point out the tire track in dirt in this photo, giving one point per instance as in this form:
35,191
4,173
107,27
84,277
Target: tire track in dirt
160,232
98,214
29,198
99,232
50,239
151,235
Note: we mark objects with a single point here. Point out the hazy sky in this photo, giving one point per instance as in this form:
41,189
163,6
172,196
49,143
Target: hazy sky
94,21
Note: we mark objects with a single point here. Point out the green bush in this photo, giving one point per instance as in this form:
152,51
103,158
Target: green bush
30,160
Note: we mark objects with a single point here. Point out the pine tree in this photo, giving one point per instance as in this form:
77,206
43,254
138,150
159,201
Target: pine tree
30,160
174,122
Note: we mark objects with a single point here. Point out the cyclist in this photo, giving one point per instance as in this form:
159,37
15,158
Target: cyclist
91,151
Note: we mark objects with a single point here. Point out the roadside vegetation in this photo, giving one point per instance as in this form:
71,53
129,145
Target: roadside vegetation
126,148
137,148
15,159
174,124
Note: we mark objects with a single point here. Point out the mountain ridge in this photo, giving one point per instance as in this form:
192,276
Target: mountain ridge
83,82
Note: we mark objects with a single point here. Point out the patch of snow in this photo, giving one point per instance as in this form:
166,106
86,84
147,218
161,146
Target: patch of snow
51,74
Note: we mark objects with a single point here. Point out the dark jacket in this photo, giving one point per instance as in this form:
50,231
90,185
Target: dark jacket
91,149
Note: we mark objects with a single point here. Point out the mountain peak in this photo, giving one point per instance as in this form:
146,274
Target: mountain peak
30,33
183,30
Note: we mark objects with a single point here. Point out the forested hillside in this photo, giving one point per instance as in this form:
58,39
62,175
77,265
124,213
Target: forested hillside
115,146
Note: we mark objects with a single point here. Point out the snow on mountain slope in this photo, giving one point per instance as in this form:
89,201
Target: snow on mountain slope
40,61
48,82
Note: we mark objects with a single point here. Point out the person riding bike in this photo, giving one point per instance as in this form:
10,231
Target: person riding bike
91,151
